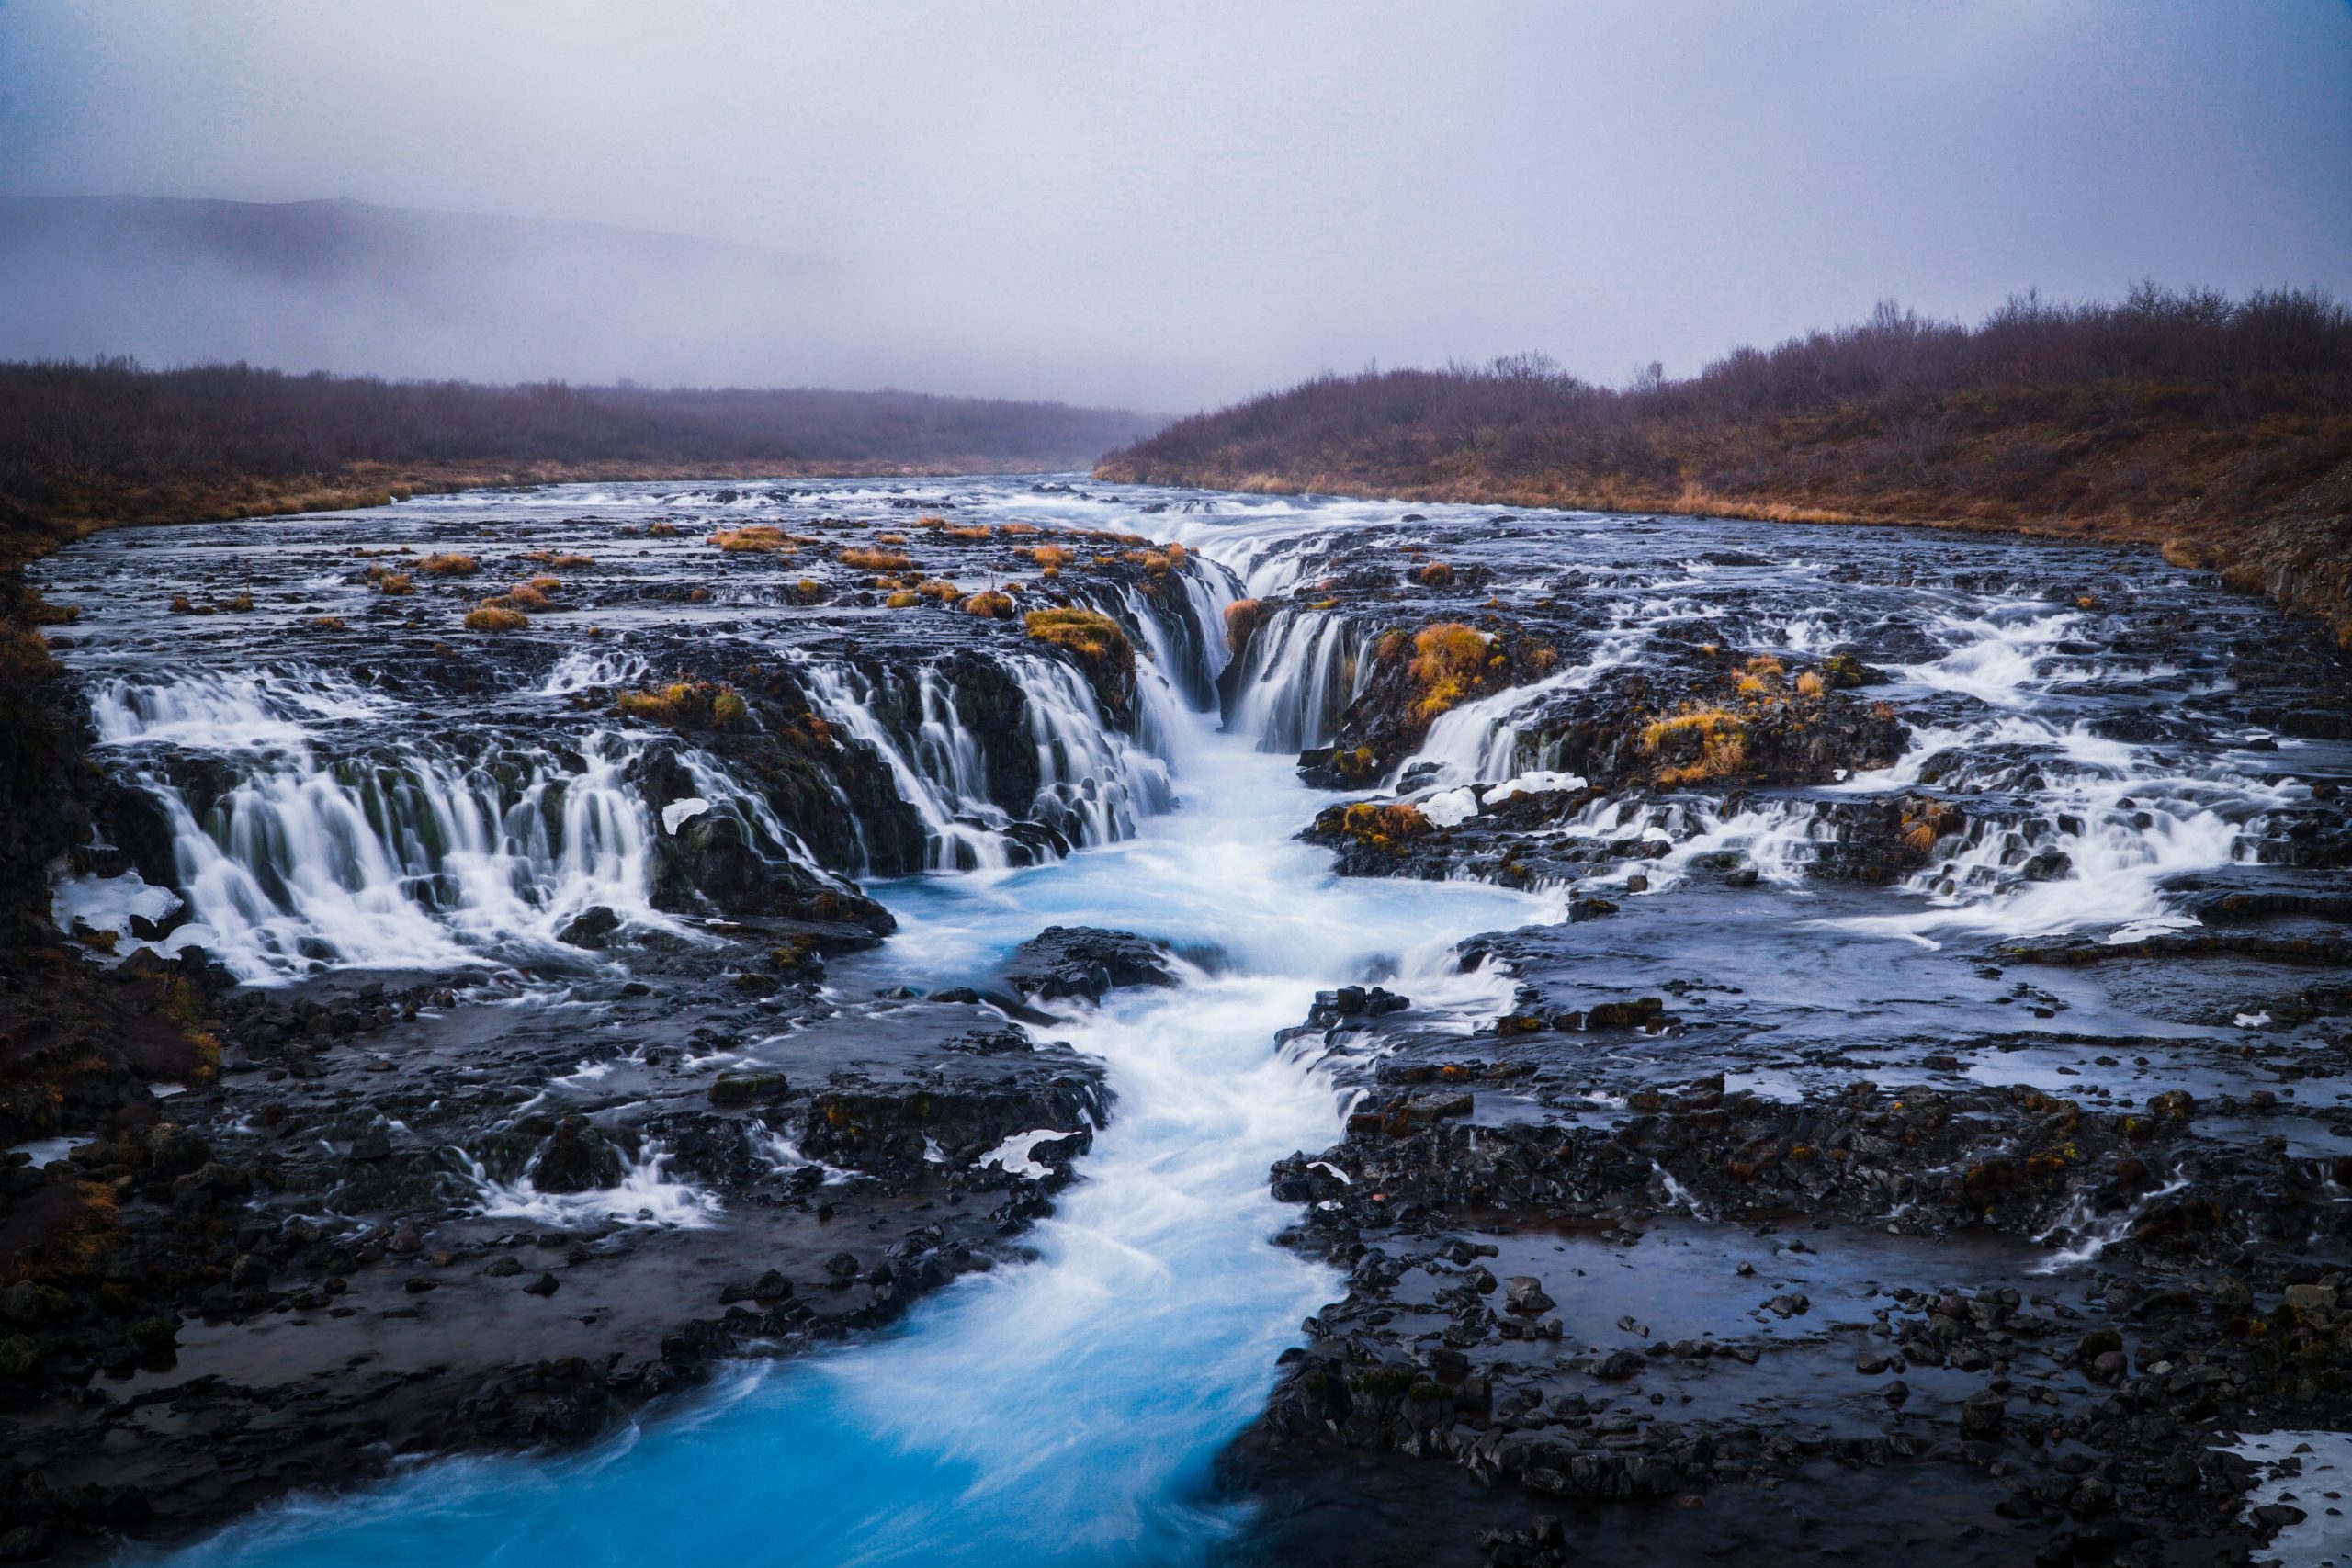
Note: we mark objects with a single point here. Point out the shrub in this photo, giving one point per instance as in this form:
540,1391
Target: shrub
441,564
1102,648
1706,743
685,704
495,618
757,538
1242,619
1448,659
1382,827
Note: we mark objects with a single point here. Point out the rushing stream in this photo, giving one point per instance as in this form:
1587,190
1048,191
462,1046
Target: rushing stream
327,806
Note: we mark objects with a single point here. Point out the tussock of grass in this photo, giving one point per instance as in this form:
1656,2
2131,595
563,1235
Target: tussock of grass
1101,645
1448,659
994,605
757,538
1436,574
1712,742
867,559
395,584
495,618
1383,827
905,599
444,564
686,705
1242,619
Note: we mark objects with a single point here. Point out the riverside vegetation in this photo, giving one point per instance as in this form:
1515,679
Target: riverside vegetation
2220,429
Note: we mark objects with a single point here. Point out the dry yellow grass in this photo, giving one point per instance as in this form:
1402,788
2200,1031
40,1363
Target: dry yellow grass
1448,659
757,538
994,605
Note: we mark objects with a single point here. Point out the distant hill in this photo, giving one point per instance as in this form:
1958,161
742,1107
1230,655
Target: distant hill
349,287
2220,428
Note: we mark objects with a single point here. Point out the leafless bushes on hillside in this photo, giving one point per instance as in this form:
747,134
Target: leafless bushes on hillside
2167,400
72,427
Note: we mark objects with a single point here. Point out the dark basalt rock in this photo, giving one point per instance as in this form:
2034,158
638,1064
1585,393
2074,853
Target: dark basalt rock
1081,961
578,1158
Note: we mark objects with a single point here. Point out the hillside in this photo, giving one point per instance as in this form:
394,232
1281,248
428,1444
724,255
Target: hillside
2220,428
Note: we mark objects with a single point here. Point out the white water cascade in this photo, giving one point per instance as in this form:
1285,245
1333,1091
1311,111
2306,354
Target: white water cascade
1094,781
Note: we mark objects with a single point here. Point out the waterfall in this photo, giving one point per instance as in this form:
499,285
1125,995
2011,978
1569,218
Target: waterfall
1299,674
385,854
1094,782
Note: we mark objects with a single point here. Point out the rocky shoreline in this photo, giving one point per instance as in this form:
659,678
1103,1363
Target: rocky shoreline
1633,1275
281,1238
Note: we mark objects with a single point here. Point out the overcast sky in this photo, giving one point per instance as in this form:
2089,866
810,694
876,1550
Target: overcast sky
1174,205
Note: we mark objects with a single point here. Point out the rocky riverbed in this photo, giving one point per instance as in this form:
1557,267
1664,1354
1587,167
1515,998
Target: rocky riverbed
1826,1040
2033,1207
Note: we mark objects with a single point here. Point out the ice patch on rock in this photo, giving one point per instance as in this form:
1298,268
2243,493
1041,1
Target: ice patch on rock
2321,1463
1451,808
1013,1153
1534,782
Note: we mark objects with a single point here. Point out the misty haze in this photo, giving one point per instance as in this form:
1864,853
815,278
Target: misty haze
1286,785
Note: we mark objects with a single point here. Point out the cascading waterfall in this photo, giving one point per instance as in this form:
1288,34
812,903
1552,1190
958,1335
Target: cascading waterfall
1018,1418
404,855
330,846
1298,676
1093,781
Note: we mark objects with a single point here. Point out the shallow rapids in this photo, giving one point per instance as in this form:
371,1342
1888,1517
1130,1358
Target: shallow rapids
1066,1411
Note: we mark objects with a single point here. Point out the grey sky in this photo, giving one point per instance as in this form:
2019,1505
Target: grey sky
1175,205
